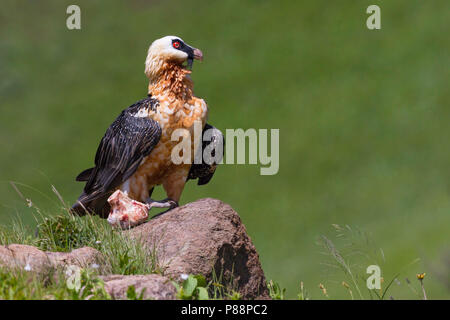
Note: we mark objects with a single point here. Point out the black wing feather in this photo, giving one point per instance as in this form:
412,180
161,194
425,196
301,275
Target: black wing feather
85,175
204,171
124,146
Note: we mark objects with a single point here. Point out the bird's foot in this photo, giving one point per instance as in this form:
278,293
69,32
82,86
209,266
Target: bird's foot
166,203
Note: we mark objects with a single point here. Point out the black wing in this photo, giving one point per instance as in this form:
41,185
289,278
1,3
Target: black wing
125,144
215,141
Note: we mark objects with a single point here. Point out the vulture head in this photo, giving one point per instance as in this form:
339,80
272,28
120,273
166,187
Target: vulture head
169,50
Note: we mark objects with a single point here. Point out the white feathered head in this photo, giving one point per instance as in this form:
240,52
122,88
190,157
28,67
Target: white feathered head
170,49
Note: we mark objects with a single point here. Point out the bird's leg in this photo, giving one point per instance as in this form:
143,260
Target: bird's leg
173,185
150,203
166,203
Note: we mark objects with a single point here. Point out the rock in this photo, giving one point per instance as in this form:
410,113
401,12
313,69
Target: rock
204,237
156,287
30,258
82,257
201,237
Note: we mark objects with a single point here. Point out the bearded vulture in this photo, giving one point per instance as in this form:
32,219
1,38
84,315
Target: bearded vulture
134,155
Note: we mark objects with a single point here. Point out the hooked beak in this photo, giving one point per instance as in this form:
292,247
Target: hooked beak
198,54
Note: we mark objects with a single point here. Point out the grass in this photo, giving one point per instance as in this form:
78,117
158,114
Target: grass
222,287
363,117
65,232
347,255
22,285
122,254
349,252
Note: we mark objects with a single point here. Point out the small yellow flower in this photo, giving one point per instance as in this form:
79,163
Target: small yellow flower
420,276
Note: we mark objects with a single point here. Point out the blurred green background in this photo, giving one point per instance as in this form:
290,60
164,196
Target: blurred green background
363,118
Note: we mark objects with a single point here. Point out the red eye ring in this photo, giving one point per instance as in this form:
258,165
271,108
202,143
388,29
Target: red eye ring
176,44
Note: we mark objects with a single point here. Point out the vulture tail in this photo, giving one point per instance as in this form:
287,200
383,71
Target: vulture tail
85,205
85,175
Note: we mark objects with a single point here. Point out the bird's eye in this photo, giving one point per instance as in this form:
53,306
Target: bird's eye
176,44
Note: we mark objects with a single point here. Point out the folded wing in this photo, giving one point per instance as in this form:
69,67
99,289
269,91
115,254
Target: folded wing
124,146
215,142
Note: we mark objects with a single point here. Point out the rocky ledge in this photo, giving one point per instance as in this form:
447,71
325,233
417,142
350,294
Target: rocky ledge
203,237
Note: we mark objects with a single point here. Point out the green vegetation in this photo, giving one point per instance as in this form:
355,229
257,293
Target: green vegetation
192,288
223,287
348,252
65,232
363,118
275,291
195,287
125,255
22,285
133,295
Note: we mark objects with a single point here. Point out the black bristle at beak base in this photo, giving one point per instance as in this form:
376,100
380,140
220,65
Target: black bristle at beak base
190,62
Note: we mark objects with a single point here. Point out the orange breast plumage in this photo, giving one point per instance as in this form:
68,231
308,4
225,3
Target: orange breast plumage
158,168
